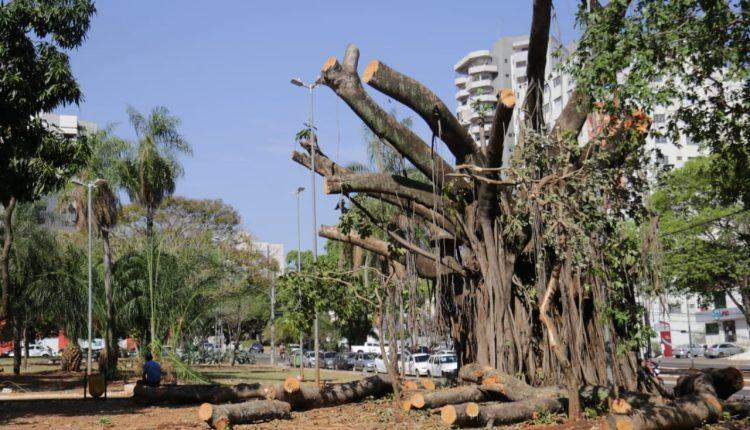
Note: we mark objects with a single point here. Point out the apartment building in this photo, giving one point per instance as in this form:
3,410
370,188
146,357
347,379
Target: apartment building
479,75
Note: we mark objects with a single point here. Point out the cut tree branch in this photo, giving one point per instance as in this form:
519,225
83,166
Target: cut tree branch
383,183
344,81
425,266
425,103
537,62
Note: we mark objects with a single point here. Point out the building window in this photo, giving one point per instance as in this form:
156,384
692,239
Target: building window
505,61
659,118
712,328
558,103
507,75
675,308
520,64
679,158
557,81
720,301
660,139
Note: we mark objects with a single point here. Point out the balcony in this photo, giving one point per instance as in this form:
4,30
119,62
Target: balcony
484,68
465,62
484,83
489,97
461,81
462,94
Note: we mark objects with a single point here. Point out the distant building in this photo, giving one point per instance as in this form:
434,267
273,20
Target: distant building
274,251
68,125
481,74
676,317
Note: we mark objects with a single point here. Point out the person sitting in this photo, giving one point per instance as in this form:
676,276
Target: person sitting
151,371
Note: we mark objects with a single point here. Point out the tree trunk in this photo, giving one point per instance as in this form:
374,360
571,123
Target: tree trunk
510,388
496,414
109,338
222,417
151,273
451,396
195,394
17,336
5,311
25,348
698,403
309,397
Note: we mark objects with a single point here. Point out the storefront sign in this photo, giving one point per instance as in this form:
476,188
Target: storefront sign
721,314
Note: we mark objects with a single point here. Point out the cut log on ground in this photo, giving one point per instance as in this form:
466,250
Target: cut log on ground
698,403
223,417
493,414
196,394
451,396
513,389
308,397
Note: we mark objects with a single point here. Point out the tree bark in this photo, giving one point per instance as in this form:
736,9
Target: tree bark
698,403
223,417
451,396
5,311
344,81
109,339
17,345
537,62
308,397
426,104
495,414
195,394
383,183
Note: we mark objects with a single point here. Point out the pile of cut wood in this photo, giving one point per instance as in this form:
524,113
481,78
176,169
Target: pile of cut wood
486,398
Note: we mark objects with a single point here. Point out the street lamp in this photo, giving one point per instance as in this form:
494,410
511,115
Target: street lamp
298,192
89,187
313,141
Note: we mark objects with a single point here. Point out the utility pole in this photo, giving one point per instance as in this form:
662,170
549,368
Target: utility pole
299,269
313,152
273,308
690,334
90,214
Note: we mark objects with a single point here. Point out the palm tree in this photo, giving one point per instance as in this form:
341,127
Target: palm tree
107,152
149,174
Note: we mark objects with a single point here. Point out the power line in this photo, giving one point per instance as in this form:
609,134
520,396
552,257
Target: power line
704,222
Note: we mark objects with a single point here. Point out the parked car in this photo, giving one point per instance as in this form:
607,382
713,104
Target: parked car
296,356
683,351
418,365
365,361
328,358
309,358
35,350
373,347
722,350
256,347
343,361
380,363
443,366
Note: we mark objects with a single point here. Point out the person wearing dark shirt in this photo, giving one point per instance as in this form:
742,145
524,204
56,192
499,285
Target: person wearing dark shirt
151,371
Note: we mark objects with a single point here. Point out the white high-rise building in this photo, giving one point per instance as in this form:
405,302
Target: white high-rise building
481,74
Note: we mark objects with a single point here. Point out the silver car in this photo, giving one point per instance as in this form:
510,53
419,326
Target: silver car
684,351
722,350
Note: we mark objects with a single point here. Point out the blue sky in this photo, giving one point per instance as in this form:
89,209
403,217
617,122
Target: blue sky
224,67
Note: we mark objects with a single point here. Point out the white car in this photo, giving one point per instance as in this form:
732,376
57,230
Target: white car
36,350
443,365
371,347
380,363
418,365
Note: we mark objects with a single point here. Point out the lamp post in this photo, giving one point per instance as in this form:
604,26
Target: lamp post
313,141
298,192
89,187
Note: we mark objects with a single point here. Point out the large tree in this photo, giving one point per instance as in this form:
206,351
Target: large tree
690,55
529,258
149,174
706,244
35,77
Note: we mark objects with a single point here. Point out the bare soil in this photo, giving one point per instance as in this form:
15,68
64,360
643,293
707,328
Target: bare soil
57,404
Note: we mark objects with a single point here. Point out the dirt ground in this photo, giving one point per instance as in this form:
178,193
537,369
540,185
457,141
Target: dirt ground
50,399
